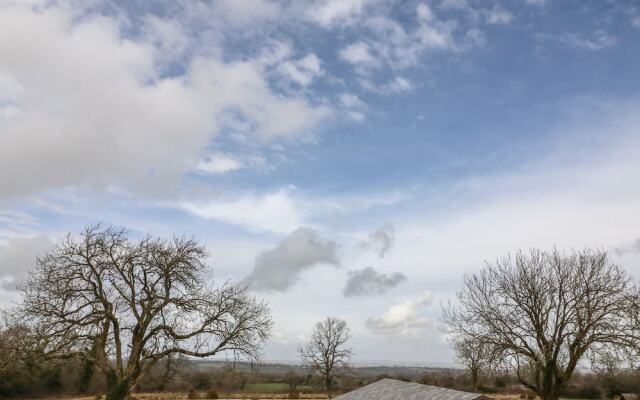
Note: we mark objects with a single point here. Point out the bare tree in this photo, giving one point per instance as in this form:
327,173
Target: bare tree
128,304
542,313
474,355
15,344
327,351
6,353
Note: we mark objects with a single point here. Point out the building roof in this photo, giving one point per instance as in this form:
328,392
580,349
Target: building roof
392,389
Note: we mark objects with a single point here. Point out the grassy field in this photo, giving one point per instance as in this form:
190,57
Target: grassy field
202,396
273,388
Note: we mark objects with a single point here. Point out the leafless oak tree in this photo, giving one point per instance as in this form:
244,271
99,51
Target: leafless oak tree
541,313
327,351
475,355
128,304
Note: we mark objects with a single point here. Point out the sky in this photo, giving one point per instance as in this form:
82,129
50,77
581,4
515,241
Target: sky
352,158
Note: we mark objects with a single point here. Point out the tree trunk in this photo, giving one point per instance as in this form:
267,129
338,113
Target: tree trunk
117,388
475,380
550,392
549,396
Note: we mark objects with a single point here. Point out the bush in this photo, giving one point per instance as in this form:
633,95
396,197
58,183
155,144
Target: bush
584,390
293,394
500,382
192,395
486,389
212,394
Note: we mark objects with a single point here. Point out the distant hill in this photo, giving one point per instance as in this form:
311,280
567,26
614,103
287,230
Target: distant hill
363,369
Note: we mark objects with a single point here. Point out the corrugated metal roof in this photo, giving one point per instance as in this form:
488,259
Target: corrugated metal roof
392,389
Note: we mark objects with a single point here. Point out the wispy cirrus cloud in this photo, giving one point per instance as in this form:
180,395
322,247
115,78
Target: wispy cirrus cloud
594,41
270,212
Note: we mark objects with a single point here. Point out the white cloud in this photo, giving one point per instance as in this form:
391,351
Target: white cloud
241,86
280,268
599,40
332,12
403,318
359,55
352,101
433,37
219,163
390,45
354,107
99,114
272,212
424,12
537,2
274,53
454,4
432,32
240,14
168,37
302,71
398,85
498,15
475,38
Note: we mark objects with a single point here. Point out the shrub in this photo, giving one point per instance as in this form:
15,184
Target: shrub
293,394
486,389
500,382
192,395
212,394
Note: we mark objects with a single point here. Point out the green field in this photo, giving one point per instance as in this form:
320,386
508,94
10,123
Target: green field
273,388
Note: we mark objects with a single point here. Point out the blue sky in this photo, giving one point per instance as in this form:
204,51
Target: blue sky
342,157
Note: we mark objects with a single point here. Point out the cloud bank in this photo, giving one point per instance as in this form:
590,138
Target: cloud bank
103,112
